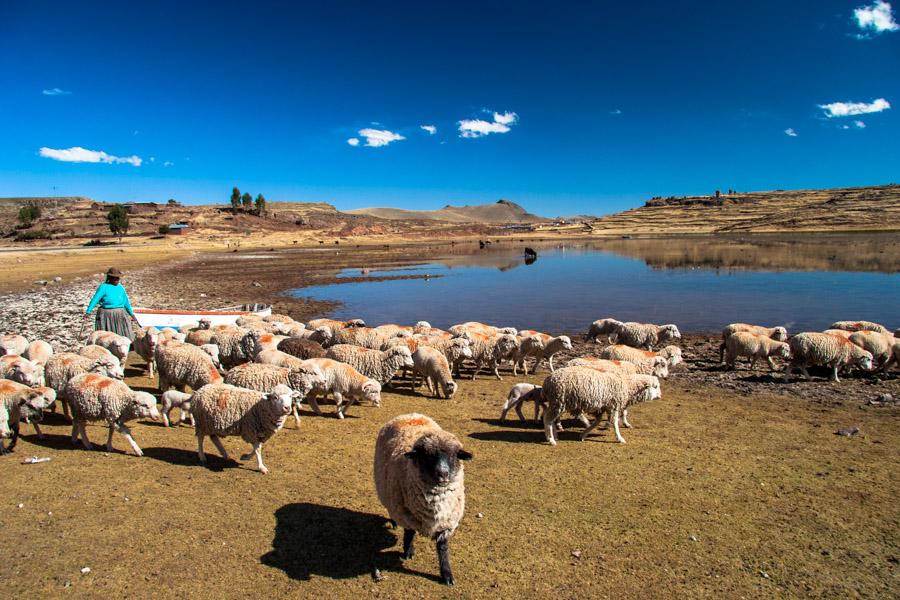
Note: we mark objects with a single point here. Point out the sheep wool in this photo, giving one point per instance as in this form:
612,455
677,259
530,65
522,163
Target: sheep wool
812,348
656,366
302,378
879,345
374,364
433,366
182,365
860,326
518,395
548,348
38,351
601,327
644,335
13,343
18,402
302,348
754,347
776,333
490,350
345,383
18,368
235,346
117,344
672,354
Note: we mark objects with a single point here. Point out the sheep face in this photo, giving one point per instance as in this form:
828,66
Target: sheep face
372,392
121,347
780,334
784,352
423,325
506,345
864,362
31,406
449,389
323,335
566,342
652,391
303,379
673,354
669,332
213,352
437,459
24,371
660,367
204,324
508,330
143,405
281,397
356,323
405,353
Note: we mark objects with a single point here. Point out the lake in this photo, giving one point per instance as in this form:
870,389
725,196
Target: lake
701,284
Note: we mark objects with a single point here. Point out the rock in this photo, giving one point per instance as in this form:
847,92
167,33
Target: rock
40,282
847,431
57,279
257,284
479,516
693,538
576,554
85,570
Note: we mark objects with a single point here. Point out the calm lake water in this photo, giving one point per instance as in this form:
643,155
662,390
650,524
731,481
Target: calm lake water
699,285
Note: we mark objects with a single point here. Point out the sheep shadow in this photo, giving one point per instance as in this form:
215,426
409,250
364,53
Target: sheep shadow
50,440
337,543
532,436
188,458
514,422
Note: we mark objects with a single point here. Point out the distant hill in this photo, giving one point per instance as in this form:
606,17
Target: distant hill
842,209
502,211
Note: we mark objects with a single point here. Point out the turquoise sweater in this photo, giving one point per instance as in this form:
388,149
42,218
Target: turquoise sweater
110,296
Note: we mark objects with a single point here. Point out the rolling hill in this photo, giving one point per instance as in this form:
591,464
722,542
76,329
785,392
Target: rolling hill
502,211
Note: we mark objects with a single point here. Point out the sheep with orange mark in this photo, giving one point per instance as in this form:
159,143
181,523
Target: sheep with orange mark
839,332
776,333
346,384
366,337
879,345
379,365
119,345
38,351
489,350
656,366
822,349
221,410
18,368
644,335
455,349
334,326
8,387
18,403
754,347
94,397
431,364
260,341
419,479
520,394
860,326
672,354
236,346
548,347
95,352
181,365
13,343
392,330
300,376
63,366
278,358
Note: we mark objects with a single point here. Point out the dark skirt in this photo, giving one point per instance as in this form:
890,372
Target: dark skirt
116,320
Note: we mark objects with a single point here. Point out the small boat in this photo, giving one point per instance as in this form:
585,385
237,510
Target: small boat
176,318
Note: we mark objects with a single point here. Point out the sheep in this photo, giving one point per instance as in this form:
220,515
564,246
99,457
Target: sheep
117,344
202,324
644,335
840,332
813,348
94,397
754,346
586,390
672,354
656,366
346,383
455,349
529,345
518,395
302,378
776,333
145,341
259,341
302,348
182,365
860,326
63,366
276,318
277,358
236,346
432,365
391,330
295,329
13,343
365,337
334,325
18,368
476,327
879,345
38,351
600,327
221,410
489,350
169,334
198,337
262,326
375,364
213,351
8,388
549,347
95,352
171,399
18,403
420,481
322,334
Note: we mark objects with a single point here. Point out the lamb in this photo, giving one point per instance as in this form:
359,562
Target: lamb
365,337
9,388
18,368
489,350
672,354
302,378
776,333
809,349
302,348
656,366
174,399
94,397
879,345
455,349
586,390
420,481
13,343
145,341
518,395
95,352
65,365
117,344
549,347
18,403
213,351
346,383
221,410
374,364
182,365
754,346
433,366
644,335
860,326
601,327
38,351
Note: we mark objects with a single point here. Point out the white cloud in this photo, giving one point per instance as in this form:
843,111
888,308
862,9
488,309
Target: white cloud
78,154
353,142
476,128
56,92
379,137
431,129
859,124
152,159
877,18
168,163
790,132
849,109
618,111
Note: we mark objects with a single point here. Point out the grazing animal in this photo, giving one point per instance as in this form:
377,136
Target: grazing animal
601,327
754,346
119,345
520,394
812,348
776,333
644,335
433,367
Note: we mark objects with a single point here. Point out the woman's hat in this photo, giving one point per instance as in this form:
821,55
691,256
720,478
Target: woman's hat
114,272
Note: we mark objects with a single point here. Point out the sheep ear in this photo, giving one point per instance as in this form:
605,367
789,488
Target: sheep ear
463,454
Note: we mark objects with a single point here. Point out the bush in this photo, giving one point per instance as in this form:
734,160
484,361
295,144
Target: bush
163,229
28,213
27,236
118,220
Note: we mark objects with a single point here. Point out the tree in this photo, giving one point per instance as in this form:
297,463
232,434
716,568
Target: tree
118,220
260,204
235,200
28,213
172,202
247,201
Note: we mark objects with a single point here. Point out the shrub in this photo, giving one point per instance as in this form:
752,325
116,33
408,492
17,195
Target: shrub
27,236
29,212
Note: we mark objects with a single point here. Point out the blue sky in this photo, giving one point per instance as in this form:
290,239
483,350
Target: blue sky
563,107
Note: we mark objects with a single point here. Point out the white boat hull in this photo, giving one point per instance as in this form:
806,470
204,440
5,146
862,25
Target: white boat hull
177,318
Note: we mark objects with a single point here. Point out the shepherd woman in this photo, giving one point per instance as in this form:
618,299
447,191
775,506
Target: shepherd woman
115,312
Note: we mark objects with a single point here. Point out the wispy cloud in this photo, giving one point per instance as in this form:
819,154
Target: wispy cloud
849,109
56,92
617,111
875,18
77,154
859,124
476,128
376,138
168,163
431,129
353,141
790,132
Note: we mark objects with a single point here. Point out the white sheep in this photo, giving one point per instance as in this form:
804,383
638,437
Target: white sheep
489,350
366,337
379,365
221,410
174,399
754,346
119,345
808,349
601,327
546,350
334,325
346,384
476,327
585,390
302,377
18,368
431,364
9,388
322,335
455,349
860,326
94,397
236,346
672,354
145,341
99,353
419,479
63,366
656,366
776,333
213,351
879,345
644,335
18,403
38,351
520,394
13,343
182,365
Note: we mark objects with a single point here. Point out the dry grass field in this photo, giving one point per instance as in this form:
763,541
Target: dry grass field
714,495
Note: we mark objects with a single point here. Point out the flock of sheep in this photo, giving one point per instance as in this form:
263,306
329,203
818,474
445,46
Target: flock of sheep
247,378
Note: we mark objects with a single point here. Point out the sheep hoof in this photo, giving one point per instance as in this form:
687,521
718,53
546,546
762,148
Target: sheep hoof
247,456
264,470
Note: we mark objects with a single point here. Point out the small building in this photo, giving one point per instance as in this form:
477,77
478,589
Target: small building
179,229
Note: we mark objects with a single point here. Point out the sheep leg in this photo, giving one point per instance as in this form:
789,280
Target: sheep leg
516,367
65,406
409,550
127,433
217,442
340,408
550,360
295,410
443,551
37,429
787,371
256,451
200,453
14,438
166,409
615,420
771,363
521,414
109,446
752,362
805,373
834,374
497,370
551,414
475,372
84,438
591,427
722,352
625,419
